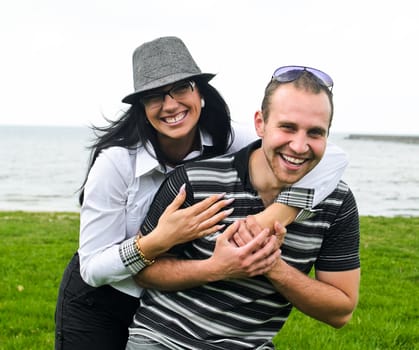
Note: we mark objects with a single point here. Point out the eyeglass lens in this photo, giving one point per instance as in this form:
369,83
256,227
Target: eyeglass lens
177,92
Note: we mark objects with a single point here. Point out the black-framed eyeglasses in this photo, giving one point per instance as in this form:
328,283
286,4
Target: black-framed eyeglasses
178,91
287,74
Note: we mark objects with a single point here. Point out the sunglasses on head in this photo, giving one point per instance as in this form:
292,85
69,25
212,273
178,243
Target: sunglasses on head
287,74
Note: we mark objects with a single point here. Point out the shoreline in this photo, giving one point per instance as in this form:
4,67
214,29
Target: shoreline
64,212
389,138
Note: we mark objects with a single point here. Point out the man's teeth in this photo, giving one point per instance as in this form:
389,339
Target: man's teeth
293,160
174,119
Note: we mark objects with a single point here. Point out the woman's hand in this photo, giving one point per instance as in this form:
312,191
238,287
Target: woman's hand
178,226
251,228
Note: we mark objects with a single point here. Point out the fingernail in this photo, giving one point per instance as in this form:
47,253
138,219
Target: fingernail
221,195
229,211
229,201
182,188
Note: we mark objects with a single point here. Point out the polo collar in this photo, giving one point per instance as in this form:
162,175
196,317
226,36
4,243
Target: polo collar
241,163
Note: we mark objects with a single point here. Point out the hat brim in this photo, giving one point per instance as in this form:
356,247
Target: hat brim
133,98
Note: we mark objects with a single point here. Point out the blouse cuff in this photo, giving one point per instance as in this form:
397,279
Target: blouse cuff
305,214
130,256
297,197
300,198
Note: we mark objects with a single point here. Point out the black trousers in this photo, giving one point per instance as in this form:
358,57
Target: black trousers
91,318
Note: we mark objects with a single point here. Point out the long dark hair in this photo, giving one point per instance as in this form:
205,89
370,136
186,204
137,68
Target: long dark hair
132,129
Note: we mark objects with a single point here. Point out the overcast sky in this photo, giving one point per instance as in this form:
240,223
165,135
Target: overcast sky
69,62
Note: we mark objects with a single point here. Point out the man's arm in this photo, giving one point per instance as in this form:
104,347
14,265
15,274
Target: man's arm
330,298
333,295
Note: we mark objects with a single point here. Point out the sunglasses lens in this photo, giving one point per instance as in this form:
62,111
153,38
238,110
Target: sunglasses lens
287,74
325,78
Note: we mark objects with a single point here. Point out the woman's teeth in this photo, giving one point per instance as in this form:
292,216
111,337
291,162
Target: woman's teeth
175,119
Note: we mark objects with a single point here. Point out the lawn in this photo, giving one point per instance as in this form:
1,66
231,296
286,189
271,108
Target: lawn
35,248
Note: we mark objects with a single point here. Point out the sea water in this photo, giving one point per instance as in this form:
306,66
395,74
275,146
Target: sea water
43,167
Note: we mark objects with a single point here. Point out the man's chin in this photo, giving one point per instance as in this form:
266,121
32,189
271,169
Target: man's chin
290,180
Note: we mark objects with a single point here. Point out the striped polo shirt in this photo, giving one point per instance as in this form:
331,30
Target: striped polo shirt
240,313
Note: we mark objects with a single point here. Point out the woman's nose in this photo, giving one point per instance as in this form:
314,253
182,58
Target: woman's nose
169,101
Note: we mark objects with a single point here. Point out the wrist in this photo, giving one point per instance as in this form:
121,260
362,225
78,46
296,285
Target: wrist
278,272
142,256
152,246
208,270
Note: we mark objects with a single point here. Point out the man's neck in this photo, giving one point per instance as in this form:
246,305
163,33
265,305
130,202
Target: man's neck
262,178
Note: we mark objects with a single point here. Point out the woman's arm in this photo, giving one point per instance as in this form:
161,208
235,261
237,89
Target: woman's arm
325,176
173,219
103,218
297,202
106,254
322,180
177,226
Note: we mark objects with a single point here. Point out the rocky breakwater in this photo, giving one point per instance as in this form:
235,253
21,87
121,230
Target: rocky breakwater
390,138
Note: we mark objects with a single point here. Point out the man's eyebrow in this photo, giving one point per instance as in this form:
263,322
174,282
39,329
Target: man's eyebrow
318,130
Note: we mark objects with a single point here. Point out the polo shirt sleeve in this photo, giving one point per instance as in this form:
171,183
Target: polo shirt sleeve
340,247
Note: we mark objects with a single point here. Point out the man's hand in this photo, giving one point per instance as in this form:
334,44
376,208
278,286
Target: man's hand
255,257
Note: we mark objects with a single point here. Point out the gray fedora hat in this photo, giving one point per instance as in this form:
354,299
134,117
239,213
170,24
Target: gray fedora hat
161,62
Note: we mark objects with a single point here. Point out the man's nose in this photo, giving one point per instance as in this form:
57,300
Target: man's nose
299,143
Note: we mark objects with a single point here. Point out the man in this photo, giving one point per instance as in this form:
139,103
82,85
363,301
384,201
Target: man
243,312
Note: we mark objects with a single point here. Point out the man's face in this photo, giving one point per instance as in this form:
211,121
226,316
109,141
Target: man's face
294,136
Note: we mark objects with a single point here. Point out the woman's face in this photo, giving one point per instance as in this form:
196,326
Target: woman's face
174,110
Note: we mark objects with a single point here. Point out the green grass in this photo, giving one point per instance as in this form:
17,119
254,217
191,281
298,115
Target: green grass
387,316
35,248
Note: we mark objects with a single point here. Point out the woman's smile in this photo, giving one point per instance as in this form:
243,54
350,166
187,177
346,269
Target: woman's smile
175,118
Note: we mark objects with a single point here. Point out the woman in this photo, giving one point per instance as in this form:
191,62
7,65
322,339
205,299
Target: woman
175,116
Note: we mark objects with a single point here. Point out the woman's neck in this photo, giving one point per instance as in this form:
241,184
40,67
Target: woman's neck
175,150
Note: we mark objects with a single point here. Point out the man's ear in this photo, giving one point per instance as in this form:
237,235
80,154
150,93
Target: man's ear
259,123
